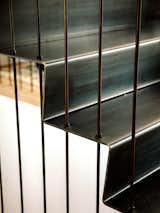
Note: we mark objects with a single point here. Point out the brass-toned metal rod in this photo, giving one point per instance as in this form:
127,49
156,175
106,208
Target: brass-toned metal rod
135,86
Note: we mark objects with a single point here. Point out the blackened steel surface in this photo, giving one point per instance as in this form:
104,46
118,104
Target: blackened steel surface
147,197
134,107
83,45
117,78
83,122
118,137
5,41
146,161
119,21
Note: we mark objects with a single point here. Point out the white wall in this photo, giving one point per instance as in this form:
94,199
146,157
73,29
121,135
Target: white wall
82,165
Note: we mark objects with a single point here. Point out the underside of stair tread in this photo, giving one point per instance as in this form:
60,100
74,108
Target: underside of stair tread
146,197
116,116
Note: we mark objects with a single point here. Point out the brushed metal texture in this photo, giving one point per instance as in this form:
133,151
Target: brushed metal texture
118,26
117,78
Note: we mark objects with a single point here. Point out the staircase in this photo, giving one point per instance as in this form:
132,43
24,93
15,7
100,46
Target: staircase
118,56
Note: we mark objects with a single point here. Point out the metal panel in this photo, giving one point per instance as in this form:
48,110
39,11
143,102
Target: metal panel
146,196
83,122
118,26
147,160
5,37
117,77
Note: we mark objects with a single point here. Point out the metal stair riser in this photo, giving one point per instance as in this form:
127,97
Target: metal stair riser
147,161
117,79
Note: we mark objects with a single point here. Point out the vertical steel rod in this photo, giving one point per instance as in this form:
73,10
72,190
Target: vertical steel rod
1,189
40,66
135,84
99,133
66,75
98,178
42,138
67,172
13,49
66,98
18,133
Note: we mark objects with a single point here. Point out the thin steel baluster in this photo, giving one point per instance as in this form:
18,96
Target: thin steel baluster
41,69
66,99
11,15
1,189
66,75
67,172
135,84
99,133
18,133
98,178
42,138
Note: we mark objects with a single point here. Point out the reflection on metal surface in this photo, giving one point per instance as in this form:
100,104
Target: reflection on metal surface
118,26
27,79
100,84
117,77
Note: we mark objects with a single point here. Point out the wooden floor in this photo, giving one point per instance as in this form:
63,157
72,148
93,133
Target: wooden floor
27,81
